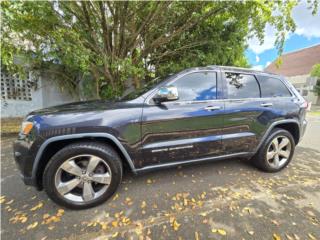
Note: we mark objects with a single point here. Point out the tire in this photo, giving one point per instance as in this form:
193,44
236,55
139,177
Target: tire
104,175
261,160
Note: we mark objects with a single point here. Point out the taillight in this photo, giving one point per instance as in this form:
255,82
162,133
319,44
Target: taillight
305,105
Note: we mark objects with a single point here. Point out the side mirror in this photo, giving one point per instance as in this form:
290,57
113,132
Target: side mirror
169,93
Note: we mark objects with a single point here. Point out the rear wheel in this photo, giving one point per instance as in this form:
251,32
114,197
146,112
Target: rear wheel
276,152
83,175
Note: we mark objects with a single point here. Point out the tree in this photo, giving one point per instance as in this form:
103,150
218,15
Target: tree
315,72
116,43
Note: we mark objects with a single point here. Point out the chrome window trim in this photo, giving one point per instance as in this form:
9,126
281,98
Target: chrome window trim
222,100
284,81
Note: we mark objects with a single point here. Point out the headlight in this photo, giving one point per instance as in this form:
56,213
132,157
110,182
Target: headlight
26,127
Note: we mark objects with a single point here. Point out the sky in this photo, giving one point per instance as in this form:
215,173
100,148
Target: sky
307,34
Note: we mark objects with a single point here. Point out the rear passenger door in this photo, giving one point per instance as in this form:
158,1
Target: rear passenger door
276,94
246,113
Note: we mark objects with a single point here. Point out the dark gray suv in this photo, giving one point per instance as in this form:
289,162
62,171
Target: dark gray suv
77,151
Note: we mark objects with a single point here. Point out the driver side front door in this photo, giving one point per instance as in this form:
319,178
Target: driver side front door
187,129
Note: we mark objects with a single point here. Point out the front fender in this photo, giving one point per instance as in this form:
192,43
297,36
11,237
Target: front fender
79,136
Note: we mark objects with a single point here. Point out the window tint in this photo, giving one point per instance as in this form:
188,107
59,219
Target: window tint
242,86
197,86
272,87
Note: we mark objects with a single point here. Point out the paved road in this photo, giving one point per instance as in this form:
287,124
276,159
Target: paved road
221,200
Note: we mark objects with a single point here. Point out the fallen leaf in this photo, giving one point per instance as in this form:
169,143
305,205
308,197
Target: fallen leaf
115,197
220,231
296,236
275,222
176,225
39,205
143,204
288,237
11,201
115,234
276,237
60,212
33,225
311,236
251,232
196,236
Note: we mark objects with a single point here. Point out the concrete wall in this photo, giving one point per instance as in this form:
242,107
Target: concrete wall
46,94
53,95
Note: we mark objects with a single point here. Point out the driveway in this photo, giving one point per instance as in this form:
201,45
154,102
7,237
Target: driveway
221,200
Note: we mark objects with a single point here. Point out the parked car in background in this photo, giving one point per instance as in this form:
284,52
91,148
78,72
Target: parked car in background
77,152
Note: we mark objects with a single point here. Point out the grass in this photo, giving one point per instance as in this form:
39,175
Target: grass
314,113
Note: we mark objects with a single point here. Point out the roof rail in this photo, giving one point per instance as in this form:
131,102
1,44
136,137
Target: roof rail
242,68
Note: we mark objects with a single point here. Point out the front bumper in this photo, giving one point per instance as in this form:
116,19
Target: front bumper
22,152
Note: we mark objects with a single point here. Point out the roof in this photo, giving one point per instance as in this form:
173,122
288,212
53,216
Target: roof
297,63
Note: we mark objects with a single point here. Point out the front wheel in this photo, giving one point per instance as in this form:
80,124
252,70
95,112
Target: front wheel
276,152
82,175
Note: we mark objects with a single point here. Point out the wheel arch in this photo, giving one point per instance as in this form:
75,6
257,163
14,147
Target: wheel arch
54,144
291,125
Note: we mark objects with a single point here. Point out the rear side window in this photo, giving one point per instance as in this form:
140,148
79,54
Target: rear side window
199,86
273,87
242,86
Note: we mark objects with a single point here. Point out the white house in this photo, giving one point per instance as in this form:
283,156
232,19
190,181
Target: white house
19,97
296,66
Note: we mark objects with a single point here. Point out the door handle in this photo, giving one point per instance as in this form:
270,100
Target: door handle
212,108
266,104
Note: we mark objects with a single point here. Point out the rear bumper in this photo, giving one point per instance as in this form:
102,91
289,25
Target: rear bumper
303,128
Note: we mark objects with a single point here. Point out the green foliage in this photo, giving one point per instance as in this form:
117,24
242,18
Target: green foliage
125,43
315,72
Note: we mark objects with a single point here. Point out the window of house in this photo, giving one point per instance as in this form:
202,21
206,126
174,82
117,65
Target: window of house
272,87
14,88
198,86
242,86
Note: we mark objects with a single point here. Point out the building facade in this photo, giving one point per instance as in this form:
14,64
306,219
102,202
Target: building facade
21,96
296,66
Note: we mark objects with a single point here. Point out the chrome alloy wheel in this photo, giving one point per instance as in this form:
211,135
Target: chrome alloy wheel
279,151
83,178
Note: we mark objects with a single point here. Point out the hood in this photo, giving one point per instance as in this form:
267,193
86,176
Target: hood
77,107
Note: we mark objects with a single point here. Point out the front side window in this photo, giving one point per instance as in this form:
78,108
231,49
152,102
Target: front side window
242,86
199,86
272,87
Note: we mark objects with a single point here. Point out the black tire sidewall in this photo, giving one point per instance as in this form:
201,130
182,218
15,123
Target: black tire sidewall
105,152
261,159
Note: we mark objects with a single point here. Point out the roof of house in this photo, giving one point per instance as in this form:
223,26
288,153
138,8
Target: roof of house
297,63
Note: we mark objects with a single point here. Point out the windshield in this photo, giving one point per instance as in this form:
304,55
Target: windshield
145,88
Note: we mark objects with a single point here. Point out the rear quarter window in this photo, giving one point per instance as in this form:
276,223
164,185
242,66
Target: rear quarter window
272,87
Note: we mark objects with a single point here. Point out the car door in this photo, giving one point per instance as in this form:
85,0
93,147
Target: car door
276,95
246,113
188,128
